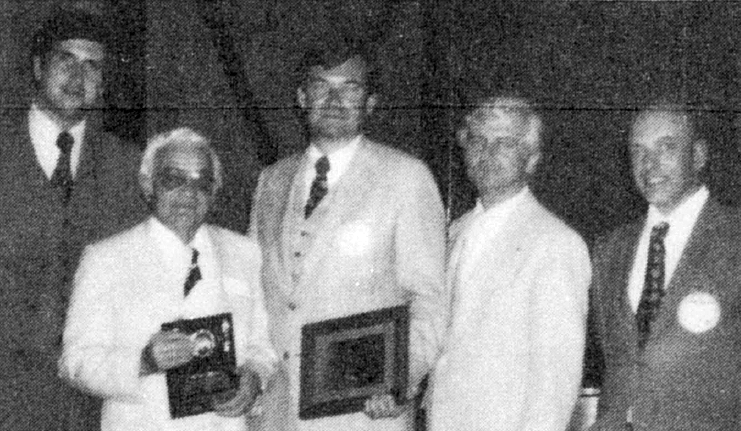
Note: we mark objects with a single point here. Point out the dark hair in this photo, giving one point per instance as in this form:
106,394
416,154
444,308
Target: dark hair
332,54
67,24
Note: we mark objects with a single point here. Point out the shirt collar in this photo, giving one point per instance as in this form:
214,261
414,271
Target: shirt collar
172,246
44,130
502,207
683,215
339,159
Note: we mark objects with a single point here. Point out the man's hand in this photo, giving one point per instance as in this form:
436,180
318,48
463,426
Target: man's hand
238,402
170,349
383,406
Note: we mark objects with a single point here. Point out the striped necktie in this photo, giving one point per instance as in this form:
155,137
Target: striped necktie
194,274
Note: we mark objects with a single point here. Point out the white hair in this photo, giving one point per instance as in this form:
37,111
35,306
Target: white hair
181,137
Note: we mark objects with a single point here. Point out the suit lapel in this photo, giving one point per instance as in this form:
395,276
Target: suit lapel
90,147
623,267
696,261
281,191
22,157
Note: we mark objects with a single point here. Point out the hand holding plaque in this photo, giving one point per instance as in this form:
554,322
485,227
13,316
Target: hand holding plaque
169,349
239,401
212,370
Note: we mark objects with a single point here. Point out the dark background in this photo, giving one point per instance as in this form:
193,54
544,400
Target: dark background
227,68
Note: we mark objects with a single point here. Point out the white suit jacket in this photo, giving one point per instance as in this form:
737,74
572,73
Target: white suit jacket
376,240
123,293
512,360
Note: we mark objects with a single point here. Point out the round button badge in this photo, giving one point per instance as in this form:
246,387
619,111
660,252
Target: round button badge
699,312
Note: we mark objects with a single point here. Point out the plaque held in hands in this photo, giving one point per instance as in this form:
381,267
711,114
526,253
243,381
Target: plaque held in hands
213,369
347,360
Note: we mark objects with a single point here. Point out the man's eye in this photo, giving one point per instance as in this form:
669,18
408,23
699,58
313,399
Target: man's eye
319,87
93,66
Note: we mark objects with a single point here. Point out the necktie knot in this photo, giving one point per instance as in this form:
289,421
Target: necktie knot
659,231
322,166
194,258
65,141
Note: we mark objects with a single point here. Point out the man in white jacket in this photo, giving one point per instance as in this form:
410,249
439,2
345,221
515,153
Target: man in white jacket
518,278
172,266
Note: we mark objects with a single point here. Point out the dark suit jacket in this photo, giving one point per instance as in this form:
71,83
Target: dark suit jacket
681,380
40,244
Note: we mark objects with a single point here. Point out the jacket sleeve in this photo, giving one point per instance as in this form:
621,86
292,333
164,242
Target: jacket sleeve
420,254
557,335
254,349
91,358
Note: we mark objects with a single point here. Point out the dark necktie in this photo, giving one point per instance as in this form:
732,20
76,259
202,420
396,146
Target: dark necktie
194,274
62,176
653,287
319,187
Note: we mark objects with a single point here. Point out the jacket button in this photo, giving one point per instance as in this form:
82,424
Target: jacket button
291,306
285,356
297,254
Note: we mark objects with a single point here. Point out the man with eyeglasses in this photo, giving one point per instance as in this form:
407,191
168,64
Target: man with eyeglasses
63,183
170,267
347,226
519,277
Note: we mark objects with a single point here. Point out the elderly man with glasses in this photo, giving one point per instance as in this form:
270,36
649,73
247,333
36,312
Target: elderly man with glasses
169,268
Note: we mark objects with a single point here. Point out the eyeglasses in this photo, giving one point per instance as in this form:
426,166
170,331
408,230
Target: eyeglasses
171,179
346,90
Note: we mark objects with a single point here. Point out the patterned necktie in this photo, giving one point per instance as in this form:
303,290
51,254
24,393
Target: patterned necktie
319,187
653,287
62,176
193,275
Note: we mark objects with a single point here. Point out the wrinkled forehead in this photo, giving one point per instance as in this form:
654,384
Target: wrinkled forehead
353,69
190,158
83,49
653,125
497,120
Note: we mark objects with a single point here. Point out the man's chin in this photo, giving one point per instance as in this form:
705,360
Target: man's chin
333,133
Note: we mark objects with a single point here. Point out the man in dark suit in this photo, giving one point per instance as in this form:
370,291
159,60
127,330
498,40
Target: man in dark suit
63,183
667,291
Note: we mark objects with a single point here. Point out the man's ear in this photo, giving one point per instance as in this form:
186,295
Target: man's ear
37,68
301,98
532,162
699,154
146,185
370,103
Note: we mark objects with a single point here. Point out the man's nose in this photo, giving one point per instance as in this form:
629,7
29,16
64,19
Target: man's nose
76,73
651,160
334,98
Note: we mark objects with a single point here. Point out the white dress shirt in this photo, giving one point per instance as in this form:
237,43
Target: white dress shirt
44,133
177,256
681,221
338,162
481,232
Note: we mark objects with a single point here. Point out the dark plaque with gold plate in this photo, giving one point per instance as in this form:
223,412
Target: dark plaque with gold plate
345,361
213,369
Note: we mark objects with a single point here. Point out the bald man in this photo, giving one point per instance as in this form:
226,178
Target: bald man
519,279
667,294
